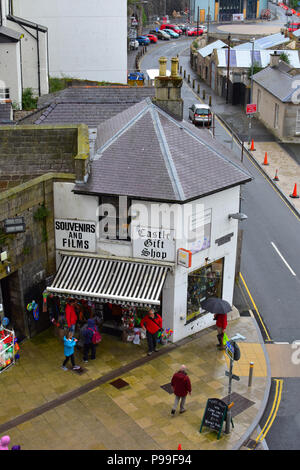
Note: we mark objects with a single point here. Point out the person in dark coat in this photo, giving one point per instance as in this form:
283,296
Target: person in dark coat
181,386
88,344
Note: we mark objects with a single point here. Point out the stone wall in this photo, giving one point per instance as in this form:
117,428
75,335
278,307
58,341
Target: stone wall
41,155
29,151
31,254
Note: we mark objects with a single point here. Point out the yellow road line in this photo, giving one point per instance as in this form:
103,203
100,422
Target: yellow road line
274,410
255,307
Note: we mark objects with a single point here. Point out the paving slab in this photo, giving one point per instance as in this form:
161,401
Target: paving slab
136,416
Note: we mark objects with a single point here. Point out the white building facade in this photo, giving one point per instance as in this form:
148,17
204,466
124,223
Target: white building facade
212,268
87,38
23,55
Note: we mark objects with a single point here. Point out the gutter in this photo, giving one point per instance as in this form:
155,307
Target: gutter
39,29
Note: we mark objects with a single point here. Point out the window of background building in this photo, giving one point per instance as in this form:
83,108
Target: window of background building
203,283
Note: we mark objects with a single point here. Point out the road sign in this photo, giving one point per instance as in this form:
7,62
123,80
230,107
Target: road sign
229,350
251,108
233,376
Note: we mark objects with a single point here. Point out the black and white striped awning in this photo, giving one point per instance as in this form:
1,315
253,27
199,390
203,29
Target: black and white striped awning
106,280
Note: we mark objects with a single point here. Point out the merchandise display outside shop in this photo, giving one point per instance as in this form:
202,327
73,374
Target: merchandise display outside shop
205,282
116,319
8,348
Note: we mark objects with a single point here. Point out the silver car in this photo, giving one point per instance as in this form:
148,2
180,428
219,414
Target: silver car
200,114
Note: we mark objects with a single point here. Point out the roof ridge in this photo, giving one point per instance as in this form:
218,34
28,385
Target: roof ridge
170,166
121,131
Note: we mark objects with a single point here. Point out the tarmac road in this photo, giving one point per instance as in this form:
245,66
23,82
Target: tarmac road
270,258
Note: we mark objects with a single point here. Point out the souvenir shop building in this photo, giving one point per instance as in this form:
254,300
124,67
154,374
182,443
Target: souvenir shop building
122,242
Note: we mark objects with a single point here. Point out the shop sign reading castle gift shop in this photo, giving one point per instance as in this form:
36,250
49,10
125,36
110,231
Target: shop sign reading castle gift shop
154,244
75,235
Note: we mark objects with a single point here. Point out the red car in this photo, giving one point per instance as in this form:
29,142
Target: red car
152,37
195,32
171,26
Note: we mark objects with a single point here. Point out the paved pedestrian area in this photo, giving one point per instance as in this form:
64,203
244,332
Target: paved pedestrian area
260,28
66,410
288,169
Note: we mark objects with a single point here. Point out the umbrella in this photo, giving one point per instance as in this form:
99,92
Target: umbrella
216,305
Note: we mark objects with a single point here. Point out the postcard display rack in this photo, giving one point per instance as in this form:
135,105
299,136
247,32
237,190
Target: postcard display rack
7,349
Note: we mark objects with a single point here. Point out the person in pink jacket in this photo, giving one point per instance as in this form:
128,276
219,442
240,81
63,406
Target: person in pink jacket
4,443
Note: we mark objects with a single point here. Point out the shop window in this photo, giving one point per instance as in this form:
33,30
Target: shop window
114,221
203,283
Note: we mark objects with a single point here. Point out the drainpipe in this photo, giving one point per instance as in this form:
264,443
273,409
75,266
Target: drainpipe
38,59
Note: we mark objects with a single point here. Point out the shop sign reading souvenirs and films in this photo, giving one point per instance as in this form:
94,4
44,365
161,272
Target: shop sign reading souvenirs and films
75,235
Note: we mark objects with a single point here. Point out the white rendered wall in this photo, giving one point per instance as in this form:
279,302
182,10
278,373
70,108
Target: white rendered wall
175,306
87,38
10,71
69,205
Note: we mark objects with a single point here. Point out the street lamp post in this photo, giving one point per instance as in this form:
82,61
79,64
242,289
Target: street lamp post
228,68
251,87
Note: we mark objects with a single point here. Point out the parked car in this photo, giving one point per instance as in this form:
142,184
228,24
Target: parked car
292,26
152,37
143,40
265,14
171,27
195,32
172,33
160,34
204,28
183,27
200,114
133,44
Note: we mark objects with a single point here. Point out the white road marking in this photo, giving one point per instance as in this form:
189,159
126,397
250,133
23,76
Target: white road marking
285,262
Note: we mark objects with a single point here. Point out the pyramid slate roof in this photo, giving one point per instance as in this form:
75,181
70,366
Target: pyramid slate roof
146,154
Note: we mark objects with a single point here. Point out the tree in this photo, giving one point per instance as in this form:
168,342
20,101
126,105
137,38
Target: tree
256,68
284,57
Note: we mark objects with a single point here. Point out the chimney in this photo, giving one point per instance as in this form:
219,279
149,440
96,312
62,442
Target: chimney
168,89
274,59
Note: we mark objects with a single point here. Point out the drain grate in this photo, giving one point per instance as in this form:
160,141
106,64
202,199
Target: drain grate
245,313
251,444
240,403
167,388
119,383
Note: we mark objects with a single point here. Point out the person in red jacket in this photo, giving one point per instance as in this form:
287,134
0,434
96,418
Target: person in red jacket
221,324
152,323
181,386
71,316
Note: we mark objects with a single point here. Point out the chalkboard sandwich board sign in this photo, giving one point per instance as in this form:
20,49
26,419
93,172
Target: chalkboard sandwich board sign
214,415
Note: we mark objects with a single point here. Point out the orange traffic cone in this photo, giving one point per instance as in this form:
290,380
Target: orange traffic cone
179,447
294,195
266,159
276,176
252,146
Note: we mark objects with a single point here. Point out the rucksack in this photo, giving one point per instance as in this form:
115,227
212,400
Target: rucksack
96,336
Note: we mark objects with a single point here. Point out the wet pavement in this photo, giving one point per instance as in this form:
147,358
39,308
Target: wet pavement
44,407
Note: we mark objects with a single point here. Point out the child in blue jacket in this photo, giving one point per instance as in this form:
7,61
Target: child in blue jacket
69,345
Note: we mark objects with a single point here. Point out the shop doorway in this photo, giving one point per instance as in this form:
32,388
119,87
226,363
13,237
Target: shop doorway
13,307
